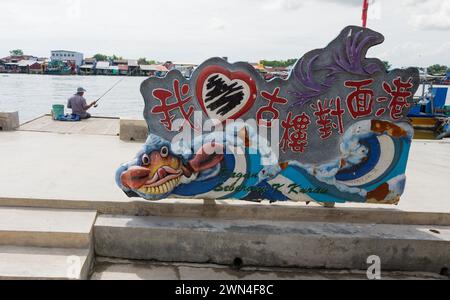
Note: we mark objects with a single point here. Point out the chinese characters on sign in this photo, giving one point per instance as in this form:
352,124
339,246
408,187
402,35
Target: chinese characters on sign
166,109
328,113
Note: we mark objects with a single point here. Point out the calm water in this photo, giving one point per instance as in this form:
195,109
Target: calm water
34,95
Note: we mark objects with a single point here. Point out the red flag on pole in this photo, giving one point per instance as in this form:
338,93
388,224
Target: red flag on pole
365,12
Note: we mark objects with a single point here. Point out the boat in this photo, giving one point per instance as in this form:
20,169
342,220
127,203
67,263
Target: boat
58,68
431,107
444,130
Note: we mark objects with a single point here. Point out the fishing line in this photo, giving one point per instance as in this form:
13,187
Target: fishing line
107,92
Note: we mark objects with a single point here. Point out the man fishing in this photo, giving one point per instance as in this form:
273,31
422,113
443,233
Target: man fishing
79,105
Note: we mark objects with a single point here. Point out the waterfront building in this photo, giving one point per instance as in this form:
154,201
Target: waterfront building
113,70
11,67
133,67
14,59
37,67
153,70
119,67
117,62
88,67
102,68
72,57
90,61
24,65
185,68
123,69
30,67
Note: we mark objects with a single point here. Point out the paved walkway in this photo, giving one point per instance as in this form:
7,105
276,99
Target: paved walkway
42,165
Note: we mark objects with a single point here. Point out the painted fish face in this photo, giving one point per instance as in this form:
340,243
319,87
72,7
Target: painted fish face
156,175
158,171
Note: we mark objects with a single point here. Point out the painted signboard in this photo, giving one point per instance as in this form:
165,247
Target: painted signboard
335,131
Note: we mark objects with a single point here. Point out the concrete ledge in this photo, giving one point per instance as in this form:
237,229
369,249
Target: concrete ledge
27,227
133,130
273,244
240,210
20,263
9,121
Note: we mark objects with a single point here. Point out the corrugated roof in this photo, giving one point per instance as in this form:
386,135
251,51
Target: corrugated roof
68,51
157,68
121,61
102,65
132,63
183,64
26,63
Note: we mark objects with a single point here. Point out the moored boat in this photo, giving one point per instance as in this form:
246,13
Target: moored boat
431,108
58,68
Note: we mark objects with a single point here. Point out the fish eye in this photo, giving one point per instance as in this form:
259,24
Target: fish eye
145,160
164,152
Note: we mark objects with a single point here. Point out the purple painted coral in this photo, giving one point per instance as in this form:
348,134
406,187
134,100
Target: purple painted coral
348,60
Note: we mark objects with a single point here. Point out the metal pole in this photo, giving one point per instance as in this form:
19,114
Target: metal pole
365,13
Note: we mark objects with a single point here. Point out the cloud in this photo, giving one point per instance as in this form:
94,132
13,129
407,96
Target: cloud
217,24
345,2
429,14
287,5
294,5
239,29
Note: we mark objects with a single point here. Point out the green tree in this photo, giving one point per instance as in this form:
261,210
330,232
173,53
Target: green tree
115,57
279,63
144,61
387,65
100,57
437,69
16,52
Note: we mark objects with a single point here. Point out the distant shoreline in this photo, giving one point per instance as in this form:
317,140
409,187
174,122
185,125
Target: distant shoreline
82,75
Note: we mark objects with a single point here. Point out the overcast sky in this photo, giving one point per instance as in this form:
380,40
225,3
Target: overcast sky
417,31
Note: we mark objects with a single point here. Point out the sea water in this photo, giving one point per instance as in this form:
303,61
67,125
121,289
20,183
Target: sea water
34,95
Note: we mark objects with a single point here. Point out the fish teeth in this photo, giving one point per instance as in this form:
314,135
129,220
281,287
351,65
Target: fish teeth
171,185
162,189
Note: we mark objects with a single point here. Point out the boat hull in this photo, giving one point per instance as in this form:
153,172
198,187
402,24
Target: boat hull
425,123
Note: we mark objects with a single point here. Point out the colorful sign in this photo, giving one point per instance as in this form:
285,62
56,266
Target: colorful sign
335,131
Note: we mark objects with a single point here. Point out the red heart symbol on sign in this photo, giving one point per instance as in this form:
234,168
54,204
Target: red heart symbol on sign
224,94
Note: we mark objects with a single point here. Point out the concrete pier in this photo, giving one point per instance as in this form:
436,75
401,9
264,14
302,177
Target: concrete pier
274,244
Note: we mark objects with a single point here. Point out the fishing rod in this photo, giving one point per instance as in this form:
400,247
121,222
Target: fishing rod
107,92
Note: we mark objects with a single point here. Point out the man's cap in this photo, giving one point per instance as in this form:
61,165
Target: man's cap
81,90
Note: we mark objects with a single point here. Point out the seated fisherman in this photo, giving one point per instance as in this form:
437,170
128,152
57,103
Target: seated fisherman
78,104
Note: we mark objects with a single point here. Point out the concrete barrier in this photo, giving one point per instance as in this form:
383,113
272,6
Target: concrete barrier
9,121
274,244
133,130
